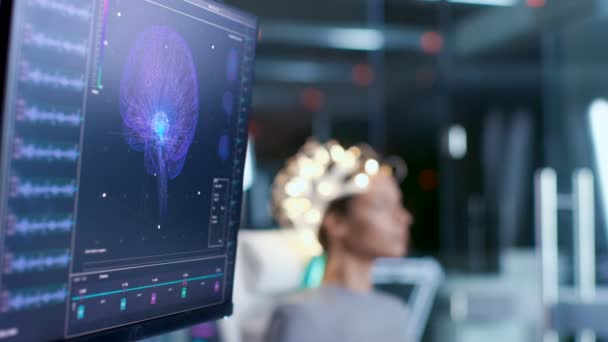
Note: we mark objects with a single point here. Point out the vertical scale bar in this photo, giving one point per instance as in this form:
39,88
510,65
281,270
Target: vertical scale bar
101,46
584,235
546,228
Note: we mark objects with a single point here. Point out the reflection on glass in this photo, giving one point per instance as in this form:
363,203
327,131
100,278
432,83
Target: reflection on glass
598,120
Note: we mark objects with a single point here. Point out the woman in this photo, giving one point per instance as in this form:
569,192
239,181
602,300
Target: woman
357,227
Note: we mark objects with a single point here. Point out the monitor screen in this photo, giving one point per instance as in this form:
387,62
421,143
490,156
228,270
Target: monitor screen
124,132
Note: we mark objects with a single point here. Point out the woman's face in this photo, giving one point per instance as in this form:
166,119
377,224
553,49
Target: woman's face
378,223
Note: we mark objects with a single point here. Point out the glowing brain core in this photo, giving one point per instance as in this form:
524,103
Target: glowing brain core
159,103
160,126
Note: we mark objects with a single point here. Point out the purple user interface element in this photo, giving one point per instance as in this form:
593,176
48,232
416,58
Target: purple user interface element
232,67
159,103
153,298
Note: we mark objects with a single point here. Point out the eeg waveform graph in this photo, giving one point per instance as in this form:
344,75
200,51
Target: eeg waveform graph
34,114
43,40
48,151
33,297
29,226
42,188
46,78
63,8
36,261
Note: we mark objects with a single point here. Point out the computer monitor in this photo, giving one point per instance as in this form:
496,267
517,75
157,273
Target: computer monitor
124,132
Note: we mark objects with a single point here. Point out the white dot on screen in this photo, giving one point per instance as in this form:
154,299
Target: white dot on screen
105,42
119,14
213,47
104,195
199,193
158,226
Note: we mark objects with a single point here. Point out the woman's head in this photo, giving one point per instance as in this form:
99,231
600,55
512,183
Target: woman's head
352,194
371,224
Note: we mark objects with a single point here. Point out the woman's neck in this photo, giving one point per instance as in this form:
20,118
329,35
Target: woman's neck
348,271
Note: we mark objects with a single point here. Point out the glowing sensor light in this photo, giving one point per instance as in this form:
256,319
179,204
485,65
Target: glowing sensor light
372,167
337,153
296,187
362,180
327,189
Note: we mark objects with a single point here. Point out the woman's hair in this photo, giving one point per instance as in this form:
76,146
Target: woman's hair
340,207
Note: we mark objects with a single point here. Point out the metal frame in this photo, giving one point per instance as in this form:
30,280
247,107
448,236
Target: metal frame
582,313
425,274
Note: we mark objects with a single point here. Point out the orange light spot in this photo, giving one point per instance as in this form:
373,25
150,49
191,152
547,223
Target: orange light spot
363,75
312,99
428,180
536,3
431,42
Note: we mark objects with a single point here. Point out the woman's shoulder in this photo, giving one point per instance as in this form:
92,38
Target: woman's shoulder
296,317
308,300
302,300
327,311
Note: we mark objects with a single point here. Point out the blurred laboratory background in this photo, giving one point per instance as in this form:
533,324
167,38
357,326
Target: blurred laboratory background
497,108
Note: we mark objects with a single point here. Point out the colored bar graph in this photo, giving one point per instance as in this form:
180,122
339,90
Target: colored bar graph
80,312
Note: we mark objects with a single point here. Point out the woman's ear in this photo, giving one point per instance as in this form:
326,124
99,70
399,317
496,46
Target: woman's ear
335,226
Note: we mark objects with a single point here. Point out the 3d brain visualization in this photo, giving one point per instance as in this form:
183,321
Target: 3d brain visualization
159,103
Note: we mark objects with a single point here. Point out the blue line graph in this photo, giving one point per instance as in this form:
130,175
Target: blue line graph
41,226
36,115
44,41
35,297
39,261
48,152
62,8
53,79
44,189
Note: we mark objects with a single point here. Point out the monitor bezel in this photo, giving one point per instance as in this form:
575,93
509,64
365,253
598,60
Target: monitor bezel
6,9
154,326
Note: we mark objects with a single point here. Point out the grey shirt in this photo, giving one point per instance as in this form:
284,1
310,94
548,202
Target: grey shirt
332,314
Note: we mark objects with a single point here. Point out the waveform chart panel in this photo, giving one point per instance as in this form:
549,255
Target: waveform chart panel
220,195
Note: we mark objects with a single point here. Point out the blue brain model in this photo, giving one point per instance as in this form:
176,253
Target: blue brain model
159,103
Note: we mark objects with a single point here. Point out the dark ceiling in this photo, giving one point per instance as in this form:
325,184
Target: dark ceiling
484,52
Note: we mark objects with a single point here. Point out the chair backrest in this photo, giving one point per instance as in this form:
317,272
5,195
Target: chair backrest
416,281
269,264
